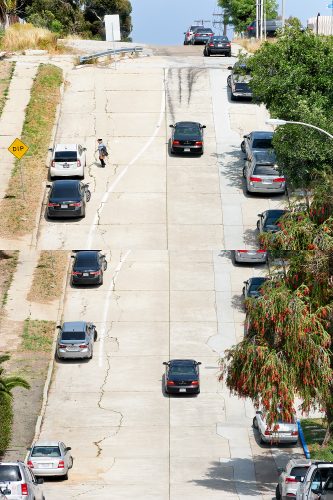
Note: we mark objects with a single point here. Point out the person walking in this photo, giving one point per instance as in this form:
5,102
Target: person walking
102,152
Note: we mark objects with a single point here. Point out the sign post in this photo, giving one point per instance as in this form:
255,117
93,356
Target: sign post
19,149
112,31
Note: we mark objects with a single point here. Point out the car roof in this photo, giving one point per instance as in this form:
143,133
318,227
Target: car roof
182,362
258,278
262,133
46,443
86,252
186,124
276,212
65,147
71,326
299,462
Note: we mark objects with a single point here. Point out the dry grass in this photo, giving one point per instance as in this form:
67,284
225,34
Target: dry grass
26,36
251,44
8,264
6,73
38,335
48,276
17,209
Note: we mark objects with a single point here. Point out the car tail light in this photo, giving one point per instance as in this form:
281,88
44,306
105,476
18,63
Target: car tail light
170,382
261,251
197,34
268,432
228,44
24,489
78,163
95,273
175,143
291,495
198,143
30,464
255,179
83,346
211,34
294,433
53,204
78,204
76,273
61,346
242,251
211,45
291,479
188,33
279,179
195,382
61,464
250,28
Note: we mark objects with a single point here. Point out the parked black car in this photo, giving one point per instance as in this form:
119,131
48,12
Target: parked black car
88,267
270,28
201,35
218,45
187,137
269,221
182,376
239,82
67,198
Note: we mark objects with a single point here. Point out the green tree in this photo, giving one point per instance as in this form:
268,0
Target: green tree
242,12
287,350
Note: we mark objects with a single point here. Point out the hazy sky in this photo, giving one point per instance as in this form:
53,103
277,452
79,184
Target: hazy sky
164,21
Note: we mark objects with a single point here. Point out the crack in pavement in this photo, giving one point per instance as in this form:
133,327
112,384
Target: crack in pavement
91,175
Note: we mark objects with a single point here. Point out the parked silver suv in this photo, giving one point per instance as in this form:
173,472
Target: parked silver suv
19,483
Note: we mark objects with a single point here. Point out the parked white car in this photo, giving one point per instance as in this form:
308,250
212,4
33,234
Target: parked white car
279,432
18,482
50,458
312,487
290,476
189,34
68,160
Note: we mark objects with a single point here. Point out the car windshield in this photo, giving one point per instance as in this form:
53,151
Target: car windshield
86,260
187,130
182,370
62,156
299,472
73,336
272,221
9,473
65,190
45,451
265,170
203,30
262,143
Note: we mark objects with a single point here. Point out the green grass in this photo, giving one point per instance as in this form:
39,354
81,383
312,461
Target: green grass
6,419
38,335
314,430
8,264
17,216
7,73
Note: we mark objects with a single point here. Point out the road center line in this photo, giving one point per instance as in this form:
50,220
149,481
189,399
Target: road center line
107,307
124,171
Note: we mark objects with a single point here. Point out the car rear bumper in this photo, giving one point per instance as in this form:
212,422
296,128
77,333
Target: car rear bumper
192,149
180,390
242,95
50,472
66,172
197,40
81,354
248,257
220,50
78,280
274,438
265,190
64,214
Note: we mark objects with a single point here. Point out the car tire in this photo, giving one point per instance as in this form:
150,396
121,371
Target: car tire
208,53
232,97
255,422
65,477
205,53
95,335
277,493
229,81
228,55
243,147
244,172
243,291
258,225
262,440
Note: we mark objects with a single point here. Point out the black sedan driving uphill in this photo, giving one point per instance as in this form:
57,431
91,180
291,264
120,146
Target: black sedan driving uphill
67,198
218,45
182,376
187,137
88,267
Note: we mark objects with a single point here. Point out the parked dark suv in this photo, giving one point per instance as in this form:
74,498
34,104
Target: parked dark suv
270,27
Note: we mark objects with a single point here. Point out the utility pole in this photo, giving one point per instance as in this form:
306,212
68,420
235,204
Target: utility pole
257,19
218,21
282,13
261,17
202,21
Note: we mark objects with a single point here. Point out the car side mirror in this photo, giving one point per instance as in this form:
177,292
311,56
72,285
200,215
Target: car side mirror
229,67
165,363
50,149
103,256
280,469
48,185
58,326
246,282
84,149
203,126
68,448
39,480
245,136
258,412
29,449
260,215
171,126
198,362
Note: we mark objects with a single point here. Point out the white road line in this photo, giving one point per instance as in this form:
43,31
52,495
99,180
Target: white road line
124,172
107,307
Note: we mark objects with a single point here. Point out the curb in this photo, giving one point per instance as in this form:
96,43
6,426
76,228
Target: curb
51,362
302,438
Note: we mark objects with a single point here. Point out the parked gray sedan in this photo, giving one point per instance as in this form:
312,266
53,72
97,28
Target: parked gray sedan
250,256
50,458
76,340
261,174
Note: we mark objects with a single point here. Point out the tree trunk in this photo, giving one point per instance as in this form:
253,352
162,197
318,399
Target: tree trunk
329,418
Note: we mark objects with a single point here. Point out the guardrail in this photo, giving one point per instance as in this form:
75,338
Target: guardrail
110,52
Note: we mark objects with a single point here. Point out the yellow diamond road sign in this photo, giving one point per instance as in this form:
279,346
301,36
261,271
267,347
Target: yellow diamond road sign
18,148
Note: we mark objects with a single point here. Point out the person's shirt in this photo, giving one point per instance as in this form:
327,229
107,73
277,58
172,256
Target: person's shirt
101,146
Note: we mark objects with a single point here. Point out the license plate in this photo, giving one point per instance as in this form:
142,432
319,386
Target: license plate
219,45
44,466
66,166
182,390
187,150
85,274
267,182
72,349
63,205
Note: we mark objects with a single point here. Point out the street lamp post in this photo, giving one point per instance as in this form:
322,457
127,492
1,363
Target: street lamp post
277,122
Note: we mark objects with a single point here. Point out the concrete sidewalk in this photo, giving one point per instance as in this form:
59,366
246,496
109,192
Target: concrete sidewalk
13,115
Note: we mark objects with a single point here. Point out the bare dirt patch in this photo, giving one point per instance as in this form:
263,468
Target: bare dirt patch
6,73
48,276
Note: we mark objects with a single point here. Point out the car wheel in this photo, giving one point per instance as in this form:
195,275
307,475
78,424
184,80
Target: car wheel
262,440
277,492
91,354
65,477
205,53
244,172
243,146
95,335
208,53
243,291
229,81
255,422
258,225
232,97
229,54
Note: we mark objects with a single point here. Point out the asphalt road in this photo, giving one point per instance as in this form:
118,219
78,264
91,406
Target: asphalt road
170,291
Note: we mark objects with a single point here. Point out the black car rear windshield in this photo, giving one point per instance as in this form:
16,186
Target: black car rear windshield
242,87
86,260
45,451
299,472
62,156
262,143
65,190
9,473
265,170
187,130
220,39
203,30
182,370
73,336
